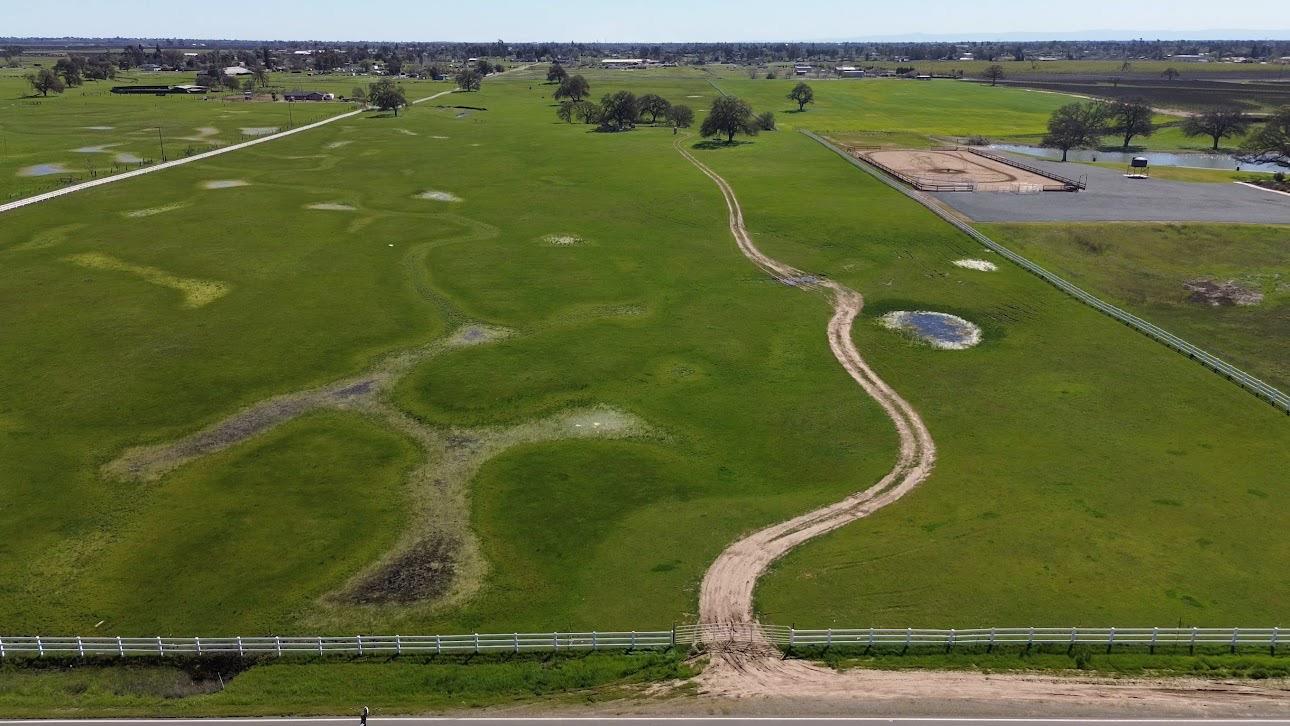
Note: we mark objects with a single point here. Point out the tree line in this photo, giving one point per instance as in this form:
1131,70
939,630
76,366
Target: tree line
1084,125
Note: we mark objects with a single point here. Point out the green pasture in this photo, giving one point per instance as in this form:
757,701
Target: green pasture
228,687
48,131
1106,497
1085,473
1143,267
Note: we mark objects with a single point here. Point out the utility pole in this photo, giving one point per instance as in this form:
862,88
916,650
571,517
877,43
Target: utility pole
162,142
289,121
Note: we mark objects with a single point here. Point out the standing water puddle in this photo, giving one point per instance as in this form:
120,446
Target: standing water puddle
1156,158
940,330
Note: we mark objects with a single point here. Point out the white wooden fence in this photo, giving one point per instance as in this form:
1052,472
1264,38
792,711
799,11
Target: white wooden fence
1109,638
696,636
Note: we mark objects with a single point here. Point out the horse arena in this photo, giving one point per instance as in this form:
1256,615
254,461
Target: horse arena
963,170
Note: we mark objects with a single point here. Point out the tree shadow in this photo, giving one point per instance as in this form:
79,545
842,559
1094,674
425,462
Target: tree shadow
708,144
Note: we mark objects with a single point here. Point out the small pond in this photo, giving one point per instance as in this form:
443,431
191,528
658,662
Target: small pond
1157,158
940,330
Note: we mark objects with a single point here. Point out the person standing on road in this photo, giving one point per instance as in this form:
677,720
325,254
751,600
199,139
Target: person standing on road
362,717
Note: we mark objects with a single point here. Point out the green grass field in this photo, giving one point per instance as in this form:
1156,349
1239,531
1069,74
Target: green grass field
114,133
1143,267
326,687
1086,474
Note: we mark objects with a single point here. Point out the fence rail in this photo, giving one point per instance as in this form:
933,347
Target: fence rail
1068,184
1266,391
1152,638
40,646
749,635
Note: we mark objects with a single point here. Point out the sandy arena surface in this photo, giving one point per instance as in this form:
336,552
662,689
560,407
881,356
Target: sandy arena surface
957,167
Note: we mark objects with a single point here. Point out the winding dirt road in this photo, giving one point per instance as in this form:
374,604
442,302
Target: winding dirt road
726,596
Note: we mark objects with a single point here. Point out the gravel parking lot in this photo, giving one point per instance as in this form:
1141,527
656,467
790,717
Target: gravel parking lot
1111,197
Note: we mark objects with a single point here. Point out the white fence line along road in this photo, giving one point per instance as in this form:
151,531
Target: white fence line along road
689,636
10,206
1254,385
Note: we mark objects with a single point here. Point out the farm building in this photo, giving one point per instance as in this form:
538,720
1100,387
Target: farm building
623,62
237,71
308,96
849,72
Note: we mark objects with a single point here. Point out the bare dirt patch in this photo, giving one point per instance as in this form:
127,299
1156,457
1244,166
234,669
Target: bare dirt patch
955,167
259,130
979,265
1217,294
224,183
332,207
150,211
438,196
338,144
196,292
424,571
562,240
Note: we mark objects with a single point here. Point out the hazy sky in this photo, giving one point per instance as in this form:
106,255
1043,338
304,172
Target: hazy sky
620,20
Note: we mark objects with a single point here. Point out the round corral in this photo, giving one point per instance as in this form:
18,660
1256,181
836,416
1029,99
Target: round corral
955,170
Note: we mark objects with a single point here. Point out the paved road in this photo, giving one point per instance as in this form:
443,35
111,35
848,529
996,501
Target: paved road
667,721
1111,197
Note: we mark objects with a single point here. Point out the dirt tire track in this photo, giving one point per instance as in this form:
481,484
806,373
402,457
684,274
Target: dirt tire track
726,595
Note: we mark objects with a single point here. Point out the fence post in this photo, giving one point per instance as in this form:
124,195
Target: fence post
516,640
909,636
1071,647
160,648
870,646
240,654
828,638
476,642
632,647
438,645
1192,648
398,645
197,640
555,641
1110,640
1030,640
320,645
40,647
1272,645
792,637
277,644
1152,648
674,634
950,646
120,647
1235,632
80,647
990,648
594,640
359,640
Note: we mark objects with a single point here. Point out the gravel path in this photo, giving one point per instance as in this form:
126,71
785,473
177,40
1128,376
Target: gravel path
741,653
